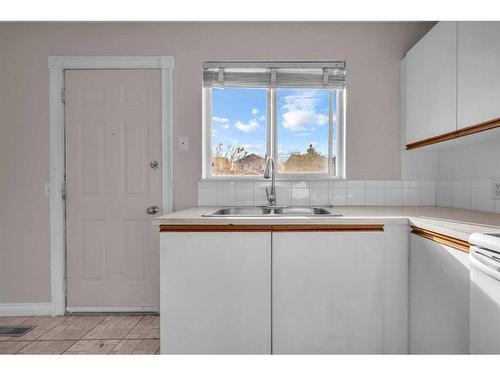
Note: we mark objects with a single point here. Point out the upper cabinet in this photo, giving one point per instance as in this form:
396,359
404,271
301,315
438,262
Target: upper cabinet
431,84
478,73
451,83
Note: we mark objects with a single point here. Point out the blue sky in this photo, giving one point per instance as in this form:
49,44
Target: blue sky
239,118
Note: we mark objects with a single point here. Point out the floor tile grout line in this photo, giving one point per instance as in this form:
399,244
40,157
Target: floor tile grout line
43,333
115,338
69,316
64,351
104,317
140,320
21,348
95,325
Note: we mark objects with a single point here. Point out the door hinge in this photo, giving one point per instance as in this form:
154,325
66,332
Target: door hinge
63,190
63,95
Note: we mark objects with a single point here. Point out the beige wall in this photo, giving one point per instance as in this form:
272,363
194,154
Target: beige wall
372,52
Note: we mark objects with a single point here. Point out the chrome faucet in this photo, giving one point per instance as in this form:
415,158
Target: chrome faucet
270,172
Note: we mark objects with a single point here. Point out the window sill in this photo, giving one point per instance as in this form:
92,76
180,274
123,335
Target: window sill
278,178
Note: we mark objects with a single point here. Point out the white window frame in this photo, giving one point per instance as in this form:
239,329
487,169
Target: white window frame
272,141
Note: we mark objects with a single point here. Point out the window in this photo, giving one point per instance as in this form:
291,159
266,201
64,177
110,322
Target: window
291,111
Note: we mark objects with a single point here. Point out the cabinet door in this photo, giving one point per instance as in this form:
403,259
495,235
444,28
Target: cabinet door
431,84
478,72
439,298
337,293
216,293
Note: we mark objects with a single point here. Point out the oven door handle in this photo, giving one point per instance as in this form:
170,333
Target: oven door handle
486,265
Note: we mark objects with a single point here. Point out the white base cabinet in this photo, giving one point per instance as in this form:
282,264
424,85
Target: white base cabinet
284,292
215,293
439,298
340,293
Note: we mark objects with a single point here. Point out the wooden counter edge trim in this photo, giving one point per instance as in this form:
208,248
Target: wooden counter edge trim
272,228
442,239
455,134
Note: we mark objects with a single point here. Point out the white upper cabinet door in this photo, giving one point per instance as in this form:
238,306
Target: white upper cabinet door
431,84
478,72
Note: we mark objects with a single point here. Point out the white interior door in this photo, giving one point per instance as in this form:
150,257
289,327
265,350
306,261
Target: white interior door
113,134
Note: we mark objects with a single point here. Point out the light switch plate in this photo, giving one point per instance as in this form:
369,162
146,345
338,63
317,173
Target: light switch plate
495,189
183,143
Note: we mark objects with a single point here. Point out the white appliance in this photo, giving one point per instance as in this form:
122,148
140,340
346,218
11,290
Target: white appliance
485,293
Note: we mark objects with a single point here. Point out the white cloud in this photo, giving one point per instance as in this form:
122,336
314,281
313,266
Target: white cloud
222,121
262,118
247,128
255,111
300,112
298,120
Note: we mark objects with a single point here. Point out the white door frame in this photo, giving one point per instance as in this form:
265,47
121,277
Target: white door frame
57,65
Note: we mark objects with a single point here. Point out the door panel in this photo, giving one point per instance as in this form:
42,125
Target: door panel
113,132
328,293
478,72
439,298
216,293
431,84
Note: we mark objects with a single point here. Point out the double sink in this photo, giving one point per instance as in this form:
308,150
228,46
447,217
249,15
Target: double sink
272,211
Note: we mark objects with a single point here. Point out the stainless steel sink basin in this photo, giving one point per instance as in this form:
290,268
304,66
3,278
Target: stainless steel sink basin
272,211
303,211
241,211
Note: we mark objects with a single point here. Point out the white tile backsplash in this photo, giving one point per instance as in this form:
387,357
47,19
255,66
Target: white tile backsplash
481,199
300,196
428,196
244,193
443,196
283,193
318,195
356,193
338,193
411,193
374,195
461,194
393,194
465,194
207,193
226,193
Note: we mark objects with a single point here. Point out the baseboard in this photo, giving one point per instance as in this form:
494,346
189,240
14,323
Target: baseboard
83,310
25,309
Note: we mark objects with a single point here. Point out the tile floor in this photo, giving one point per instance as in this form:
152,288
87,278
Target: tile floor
84,334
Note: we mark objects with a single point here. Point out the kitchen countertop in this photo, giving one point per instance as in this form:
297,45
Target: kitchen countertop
452,222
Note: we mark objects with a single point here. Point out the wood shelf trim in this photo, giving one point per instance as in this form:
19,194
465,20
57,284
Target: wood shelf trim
488,125
214,228
328,228
273,228
441,238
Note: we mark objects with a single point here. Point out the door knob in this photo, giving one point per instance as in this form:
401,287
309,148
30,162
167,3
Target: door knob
153,210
